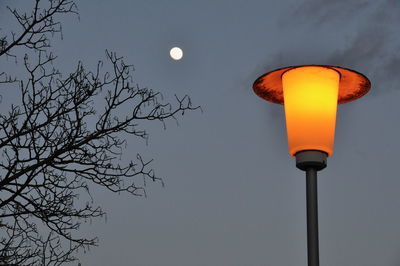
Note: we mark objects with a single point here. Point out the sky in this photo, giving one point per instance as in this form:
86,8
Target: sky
232,193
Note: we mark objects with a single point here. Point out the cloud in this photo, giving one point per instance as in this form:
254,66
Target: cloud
375,46
319,11
362,35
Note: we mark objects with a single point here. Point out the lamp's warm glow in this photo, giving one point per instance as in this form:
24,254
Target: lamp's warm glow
311,95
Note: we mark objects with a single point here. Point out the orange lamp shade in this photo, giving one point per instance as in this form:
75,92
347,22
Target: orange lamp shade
310,95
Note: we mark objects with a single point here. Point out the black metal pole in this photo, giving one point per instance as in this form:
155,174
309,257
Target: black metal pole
312,217
312,161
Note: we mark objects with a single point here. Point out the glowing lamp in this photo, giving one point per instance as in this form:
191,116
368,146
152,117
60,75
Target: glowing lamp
310,95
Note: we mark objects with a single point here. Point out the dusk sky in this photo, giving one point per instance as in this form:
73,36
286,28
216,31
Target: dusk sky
232,193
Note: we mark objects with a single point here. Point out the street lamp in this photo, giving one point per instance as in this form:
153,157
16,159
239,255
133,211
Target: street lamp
310,95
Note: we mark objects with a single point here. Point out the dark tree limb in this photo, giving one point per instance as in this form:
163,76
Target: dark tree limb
66,135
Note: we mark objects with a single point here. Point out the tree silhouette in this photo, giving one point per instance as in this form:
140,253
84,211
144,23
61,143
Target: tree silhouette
56,142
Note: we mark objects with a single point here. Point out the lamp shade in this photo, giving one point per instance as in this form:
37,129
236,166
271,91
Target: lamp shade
310,95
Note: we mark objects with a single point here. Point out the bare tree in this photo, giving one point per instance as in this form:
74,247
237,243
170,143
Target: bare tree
56,142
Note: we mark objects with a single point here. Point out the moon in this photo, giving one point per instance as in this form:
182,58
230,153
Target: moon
176,53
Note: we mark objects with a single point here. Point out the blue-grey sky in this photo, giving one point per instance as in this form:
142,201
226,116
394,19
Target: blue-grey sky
232,194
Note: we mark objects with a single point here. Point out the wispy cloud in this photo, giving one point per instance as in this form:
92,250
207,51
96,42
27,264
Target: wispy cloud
367,38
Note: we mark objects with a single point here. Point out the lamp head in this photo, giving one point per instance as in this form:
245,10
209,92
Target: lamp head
310,95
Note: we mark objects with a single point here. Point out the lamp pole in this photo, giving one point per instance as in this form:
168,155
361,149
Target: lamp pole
310,95
312,217
312,161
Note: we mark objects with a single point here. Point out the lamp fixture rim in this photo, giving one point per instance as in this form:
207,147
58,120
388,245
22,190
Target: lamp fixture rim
352,84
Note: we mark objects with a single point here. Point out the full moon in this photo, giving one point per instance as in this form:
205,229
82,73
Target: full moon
176,53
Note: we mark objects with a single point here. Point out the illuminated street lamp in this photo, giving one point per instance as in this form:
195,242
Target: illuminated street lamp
310,95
